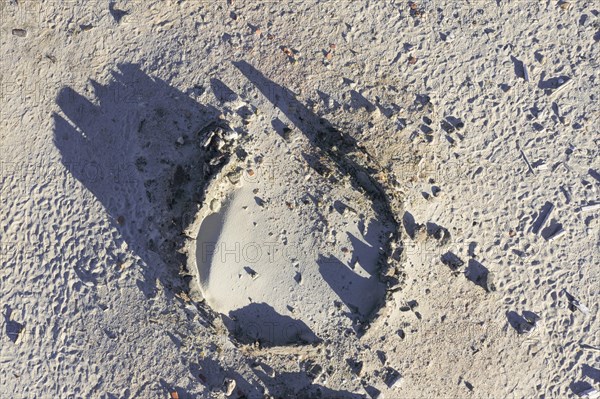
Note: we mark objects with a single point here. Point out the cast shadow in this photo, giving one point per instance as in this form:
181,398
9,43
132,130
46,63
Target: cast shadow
300,385
134,144
478,274
13,328
362,295
591,372
519,67
259,322
579,386
212,375
544,212
339,147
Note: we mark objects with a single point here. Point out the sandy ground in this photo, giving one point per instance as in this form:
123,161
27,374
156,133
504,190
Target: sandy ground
310,199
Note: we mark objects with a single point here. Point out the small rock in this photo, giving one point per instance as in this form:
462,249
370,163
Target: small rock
490,286
208,139
565,5
448,37
180,141
590,393
355,365
234,177
441,234
216,160
251,272
229,386
298,278
259,201
268,370
452,261
215,205
19,32
230,135
219,143
392,378
287,134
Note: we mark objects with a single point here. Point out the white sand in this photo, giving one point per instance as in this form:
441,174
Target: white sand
105,186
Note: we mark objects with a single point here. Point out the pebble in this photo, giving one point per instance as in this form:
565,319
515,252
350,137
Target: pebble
449,37
19,32
229,386
180,141
230,135
215,205
590,394
393,379
234,177
287,134
219,143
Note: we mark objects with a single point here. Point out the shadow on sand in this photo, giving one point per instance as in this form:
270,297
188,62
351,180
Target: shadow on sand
133,143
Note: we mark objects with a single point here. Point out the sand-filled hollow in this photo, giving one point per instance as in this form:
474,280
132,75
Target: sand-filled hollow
281,269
